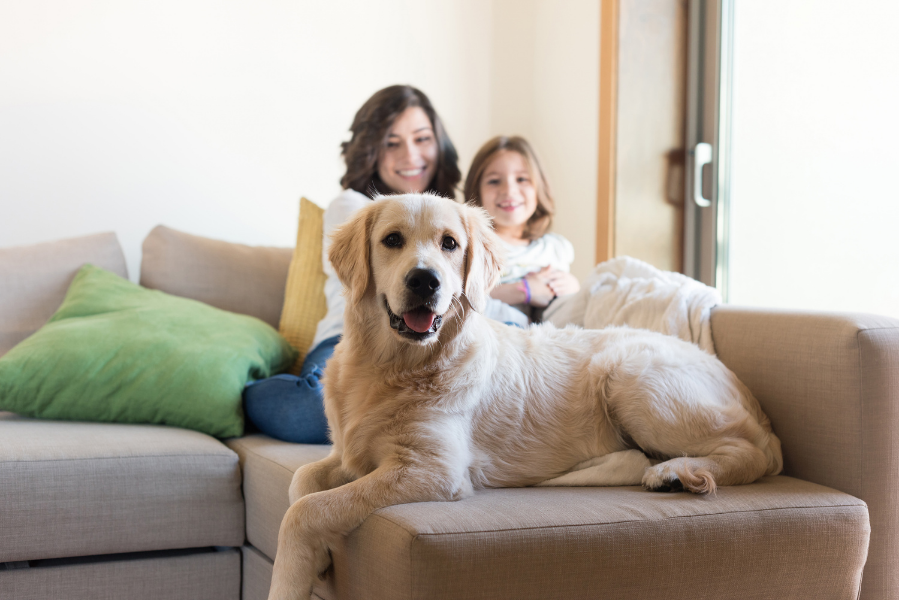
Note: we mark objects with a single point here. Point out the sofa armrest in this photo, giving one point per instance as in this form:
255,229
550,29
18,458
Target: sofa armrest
829,383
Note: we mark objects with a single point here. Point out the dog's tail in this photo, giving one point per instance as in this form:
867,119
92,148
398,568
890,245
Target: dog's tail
773,454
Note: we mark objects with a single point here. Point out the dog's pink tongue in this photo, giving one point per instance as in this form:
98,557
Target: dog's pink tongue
419,321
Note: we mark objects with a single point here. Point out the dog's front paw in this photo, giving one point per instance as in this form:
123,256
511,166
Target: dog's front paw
294,579
282,592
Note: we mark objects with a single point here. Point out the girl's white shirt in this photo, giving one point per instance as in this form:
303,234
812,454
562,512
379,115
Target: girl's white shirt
339,212
550,249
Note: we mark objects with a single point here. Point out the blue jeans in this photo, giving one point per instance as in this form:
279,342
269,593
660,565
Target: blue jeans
290,408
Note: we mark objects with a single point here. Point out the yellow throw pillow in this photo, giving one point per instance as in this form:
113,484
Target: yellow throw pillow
304,294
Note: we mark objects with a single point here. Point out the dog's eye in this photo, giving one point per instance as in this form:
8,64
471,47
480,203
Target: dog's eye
394,240
449,243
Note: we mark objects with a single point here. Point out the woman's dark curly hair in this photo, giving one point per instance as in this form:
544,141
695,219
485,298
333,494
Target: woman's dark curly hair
370,129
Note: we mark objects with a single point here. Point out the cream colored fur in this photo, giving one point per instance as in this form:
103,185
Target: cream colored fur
482,404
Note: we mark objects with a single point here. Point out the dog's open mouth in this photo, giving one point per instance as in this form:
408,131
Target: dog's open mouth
417,324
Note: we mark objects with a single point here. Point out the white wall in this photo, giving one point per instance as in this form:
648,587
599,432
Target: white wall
211,117
214,117
816,164
546,87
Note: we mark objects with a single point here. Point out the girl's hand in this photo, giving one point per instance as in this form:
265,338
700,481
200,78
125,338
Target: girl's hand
562,283
541,294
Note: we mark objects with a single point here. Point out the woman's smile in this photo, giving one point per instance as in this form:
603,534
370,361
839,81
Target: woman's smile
411,173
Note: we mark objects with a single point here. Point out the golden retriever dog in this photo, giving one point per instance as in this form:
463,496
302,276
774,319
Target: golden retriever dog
428,400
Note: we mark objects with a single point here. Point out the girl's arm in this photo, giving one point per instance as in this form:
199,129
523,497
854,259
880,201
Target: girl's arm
537,293
508,293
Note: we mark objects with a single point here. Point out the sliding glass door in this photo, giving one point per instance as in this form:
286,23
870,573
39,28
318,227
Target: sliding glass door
707,130
793,190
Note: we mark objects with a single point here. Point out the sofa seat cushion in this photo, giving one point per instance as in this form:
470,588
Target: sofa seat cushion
83,489
779,537
268,466
205,574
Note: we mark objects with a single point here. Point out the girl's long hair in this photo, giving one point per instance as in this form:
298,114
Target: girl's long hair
369,133
539,223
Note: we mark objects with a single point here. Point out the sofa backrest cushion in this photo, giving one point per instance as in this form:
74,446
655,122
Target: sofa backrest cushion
35,279
244,279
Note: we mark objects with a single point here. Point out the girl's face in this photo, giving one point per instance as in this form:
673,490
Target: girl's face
508,193
408,160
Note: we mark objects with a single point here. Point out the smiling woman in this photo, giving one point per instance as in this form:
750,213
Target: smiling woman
399,145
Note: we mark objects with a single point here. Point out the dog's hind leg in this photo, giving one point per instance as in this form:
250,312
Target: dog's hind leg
735,462
626,467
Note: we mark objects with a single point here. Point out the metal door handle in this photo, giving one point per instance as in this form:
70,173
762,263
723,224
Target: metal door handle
702,156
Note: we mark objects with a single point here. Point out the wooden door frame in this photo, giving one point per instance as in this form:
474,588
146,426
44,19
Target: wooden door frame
606,172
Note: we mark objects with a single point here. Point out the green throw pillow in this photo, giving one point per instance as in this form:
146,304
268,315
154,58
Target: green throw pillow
115,351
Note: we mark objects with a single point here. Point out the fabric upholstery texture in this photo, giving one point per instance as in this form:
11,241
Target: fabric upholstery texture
35,279
81,489
208,575
118,352
671,550
268,466
828,382
752,541
304,297
244,279
257,577
256,574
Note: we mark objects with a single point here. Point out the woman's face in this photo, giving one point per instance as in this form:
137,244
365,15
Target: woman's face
408,160
508,193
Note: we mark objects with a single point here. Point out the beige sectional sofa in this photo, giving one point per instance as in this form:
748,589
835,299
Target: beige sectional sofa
99,510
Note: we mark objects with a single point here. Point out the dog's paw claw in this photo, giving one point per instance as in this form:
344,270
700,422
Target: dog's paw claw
669,485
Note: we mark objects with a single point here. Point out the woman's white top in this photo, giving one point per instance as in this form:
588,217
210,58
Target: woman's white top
339,212
550,249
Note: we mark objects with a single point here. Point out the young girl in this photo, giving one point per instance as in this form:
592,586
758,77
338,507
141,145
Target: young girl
398,145
506,179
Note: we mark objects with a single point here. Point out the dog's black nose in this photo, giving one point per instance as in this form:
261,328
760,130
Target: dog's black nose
423,282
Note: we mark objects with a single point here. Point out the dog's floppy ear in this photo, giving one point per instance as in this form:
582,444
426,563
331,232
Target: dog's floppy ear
349,252
483,257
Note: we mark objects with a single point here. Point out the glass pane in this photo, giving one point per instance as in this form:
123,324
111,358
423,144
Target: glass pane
815,155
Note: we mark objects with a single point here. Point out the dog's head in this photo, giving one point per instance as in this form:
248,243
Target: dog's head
414,260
